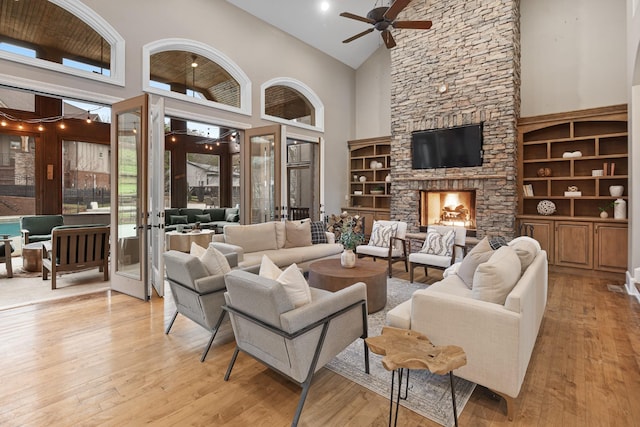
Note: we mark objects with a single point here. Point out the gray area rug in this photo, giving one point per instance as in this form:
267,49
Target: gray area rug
429,394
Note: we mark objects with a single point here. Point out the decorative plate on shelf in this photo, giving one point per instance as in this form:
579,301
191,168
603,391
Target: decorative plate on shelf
546,207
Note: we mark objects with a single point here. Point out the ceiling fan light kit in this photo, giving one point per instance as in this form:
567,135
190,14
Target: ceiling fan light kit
382,18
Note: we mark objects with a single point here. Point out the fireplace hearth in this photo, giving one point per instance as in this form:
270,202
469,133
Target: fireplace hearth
443,207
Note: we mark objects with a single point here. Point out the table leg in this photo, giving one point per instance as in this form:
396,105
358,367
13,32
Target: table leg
453,399
395,423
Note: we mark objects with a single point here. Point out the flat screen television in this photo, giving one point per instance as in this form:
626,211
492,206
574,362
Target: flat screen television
457,147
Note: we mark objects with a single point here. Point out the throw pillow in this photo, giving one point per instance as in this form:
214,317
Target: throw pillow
298,234
494,279
291,279
215,262
497,241
197,250
479,254
526,251
318,234
381,234
203,218
178,219
439,244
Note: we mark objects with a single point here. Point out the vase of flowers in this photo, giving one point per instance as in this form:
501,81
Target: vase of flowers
349,232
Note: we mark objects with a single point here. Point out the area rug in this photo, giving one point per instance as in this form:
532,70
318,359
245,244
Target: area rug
429,394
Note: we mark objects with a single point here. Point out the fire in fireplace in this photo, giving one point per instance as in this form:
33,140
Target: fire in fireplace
444,207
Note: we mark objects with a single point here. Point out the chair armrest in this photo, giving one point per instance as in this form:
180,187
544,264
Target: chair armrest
25,235
232,259
227,248
400,239
315,311
209,284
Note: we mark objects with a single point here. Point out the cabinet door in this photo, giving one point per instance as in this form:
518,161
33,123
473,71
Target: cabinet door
611,247
574,244
543,233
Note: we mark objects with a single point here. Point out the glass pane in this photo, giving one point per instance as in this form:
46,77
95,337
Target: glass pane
85,177
262,179
203,180
129,204
17,180
167,179
235,179
287,103
299,152
300,187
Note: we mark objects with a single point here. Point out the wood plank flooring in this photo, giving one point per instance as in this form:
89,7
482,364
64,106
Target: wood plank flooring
105,360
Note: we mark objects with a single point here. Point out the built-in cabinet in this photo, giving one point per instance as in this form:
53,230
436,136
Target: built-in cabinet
569,161
369,185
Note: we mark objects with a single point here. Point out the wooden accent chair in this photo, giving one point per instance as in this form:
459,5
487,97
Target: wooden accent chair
75,248
436,256
387,241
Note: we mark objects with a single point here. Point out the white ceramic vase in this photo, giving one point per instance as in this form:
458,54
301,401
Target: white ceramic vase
348,258
616,190
620,209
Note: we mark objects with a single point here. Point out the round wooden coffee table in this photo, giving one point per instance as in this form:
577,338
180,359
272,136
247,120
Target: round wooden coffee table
328,274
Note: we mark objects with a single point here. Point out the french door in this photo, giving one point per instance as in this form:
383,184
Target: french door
137,147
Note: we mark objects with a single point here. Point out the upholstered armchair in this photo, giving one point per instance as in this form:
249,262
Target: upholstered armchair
388,242
37,228
443,246
198,295
295,342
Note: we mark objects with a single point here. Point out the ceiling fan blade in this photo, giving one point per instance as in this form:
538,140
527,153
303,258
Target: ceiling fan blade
416,25
395,9
388,39
357,18
357,36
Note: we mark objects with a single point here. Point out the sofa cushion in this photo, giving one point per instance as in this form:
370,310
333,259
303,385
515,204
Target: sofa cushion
494,279
191,214
232,214
203,218
168,213
479,254
381,234
318,233
439,244
298,234
177,219
526,250
217,214
268,268
212,259
252,238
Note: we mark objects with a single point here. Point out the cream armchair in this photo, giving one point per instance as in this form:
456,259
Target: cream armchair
391,246
295,342
434,256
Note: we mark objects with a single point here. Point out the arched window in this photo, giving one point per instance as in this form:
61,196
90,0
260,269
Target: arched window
194,72
64,36
289,101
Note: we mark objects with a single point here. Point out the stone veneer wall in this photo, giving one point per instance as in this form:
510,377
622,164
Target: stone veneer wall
473,47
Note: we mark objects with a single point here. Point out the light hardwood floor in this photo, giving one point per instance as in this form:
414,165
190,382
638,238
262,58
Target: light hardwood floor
104,360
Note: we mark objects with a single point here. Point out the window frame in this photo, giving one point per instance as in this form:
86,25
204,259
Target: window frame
305,91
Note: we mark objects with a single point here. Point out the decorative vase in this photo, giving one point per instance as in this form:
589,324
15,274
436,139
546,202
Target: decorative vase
348,258
620,209
616,190
604,214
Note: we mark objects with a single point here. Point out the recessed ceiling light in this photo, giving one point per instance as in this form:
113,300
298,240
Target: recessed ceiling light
324,6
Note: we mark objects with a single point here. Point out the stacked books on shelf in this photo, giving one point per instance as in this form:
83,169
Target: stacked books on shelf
527,190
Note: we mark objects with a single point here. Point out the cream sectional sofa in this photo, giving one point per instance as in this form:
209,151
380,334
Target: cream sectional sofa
498,339
280,241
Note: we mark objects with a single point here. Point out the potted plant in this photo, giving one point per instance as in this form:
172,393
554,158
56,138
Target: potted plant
603,209
349,233
378,189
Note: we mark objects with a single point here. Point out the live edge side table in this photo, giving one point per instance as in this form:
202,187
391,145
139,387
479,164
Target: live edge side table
406,349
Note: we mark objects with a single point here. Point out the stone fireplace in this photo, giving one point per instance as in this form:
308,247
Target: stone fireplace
448,208
473,52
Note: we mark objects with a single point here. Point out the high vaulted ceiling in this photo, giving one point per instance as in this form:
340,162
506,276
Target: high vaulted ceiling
324,30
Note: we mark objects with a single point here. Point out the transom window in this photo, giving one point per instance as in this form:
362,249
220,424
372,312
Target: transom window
289,101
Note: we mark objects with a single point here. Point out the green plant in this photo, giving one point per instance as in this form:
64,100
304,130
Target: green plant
607,206
348,230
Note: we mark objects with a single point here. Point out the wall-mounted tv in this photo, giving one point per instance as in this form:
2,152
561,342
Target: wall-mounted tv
456,147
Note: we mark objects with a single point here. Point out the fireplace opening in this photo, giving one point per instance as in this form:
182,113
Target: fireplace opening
443,207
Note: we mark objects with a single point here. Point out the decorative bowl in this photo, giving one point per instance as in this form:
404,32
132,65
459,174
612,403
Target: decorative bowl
546,207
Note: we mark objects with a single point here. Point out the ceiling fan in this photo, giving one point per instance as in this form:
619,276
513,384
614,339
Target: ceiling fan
384,17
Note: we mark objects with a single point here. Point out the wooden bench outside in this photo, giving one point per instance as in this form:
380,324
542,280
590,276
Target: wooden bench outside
75,248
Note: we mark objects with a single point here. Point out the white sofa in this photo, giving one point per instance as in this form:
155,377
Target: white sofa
250,242
497,339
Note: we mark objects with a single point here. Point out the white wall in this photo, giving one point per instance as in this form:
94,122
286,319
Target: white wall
262,51
373,96
573,55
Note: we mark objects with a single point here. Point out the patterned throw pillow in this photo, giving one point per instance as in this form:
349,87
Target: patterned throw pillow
439,244
497,241
318,234
381,234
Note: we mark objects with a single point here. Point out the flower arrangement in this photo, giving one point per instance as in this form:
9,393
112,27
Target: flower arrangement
348,229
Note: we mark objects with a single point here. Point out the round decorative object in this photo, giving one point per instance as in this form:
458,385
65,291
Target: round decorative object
540,172
572,188
348,258
604,214
547,172
616,190
373,164
546,207
363,178
387,178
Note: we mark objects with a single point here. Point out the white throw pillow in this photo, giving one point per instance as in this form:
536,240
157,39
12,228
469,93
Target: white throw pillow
291,279
526,251
439,244
479,254
494,279
381,234
197,250
215,262
295,285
